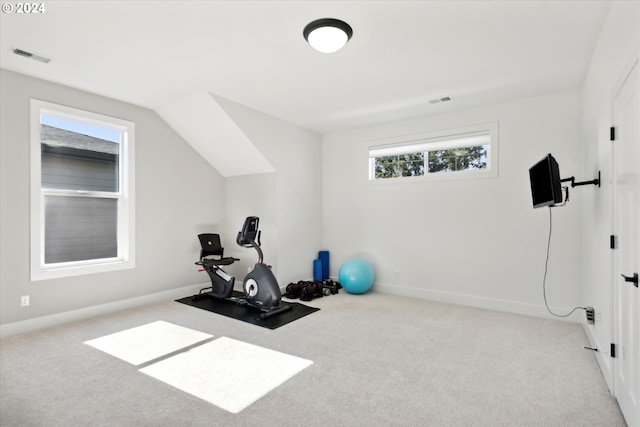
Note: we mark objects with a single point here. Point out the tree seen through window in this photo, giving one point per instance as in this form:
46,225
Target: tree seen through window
449,160
458,159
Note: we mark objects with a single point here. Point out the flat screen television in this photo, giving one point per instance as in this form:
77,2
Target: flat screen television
546,188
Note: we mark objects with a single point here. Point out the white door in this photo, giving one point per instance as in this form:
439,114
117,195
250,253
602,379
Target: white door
626,225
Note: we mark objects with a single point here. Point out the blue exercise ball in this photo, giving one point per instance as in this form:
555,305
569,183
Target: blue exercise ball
356,276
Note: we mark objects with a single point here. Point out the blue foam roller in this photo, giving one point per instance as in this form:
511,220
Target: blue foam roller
324,257
317,270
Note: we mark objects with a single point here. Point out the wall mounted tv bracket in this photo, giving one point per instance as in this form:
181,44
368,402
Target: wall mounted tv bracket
576,184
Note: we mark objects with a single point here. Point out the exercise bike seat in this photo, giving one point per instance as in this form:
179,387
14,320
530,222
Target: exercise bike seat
216,262
212,251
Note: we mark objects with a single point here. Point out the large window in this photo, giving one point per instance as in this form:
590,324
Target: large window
82,204
460,153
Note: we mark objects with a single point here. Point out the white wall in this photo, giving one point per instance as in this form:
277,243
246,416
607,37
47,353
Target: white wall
178,195
293,236
618,45
251,195
476,242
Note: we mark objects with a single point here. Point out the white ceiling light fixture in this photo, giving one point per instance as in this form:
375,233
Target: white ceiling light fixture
327,35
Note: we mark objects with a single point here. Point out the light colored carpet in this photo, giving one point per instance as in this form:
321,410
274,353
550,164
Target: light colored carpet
378,360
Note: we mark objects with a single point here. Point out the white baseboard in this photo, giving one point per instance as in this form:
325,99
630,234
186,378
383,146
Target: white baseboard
603,358
479,302
97,310
446,297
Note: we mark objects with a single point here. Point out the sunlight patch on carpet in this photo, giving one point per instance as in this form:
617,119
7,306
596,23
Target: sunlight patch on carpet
227,373
148,342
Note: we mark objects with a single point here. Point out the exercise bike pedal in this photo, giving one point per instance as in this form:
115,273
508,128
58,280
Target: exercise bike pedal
267,314
200,295
241,302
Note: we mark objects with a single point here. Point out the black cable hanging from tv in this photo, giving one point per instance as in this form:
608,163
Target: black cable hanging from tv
544,279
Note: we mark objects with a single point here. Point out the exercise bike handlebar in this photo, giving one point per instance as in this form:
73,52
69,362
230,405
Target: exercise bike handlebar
249,236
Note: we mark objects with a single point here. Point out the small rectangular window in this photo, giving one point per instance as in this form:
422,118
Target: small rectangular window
458,152
82,192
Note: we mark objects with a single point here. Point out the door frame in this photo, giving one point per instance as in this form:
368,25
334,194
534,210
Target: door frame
628,69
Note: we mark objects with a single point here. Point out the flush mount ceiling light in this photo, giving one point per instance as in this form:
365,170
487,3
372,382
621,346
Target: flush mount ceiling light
327,35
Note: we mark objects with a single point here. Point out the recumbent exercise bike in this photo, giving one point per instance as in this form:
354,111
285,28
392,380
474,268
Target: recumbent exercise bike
261,289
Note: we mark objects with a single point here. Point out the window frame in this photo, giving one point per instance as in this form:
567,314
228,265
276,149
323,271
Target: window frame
125,195
438,139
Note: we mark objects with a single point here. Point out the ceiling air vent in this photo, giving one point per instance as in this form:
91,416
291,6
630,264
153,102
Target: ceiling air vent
439,100
33,56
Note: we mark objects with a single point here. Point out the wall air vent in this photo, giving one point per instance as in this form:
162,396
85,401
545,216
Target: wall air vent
27,54
441,99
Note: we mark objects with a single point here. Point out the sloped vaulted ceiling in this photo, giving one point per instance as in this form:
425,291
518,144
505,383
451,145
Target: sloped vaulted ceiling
202,121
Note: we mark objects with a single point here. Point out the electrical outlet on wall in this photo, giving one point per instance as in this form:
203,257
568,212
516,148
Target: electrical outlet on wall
24,301
590,315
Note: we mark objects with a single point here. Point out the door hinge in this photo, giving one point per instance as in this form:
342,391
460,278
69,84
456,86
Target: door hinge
613,350
631,279
612,133
613,241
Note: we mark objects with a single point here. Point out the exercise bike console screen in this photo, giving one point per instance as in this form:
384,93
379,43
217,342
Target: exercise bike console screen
249,231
